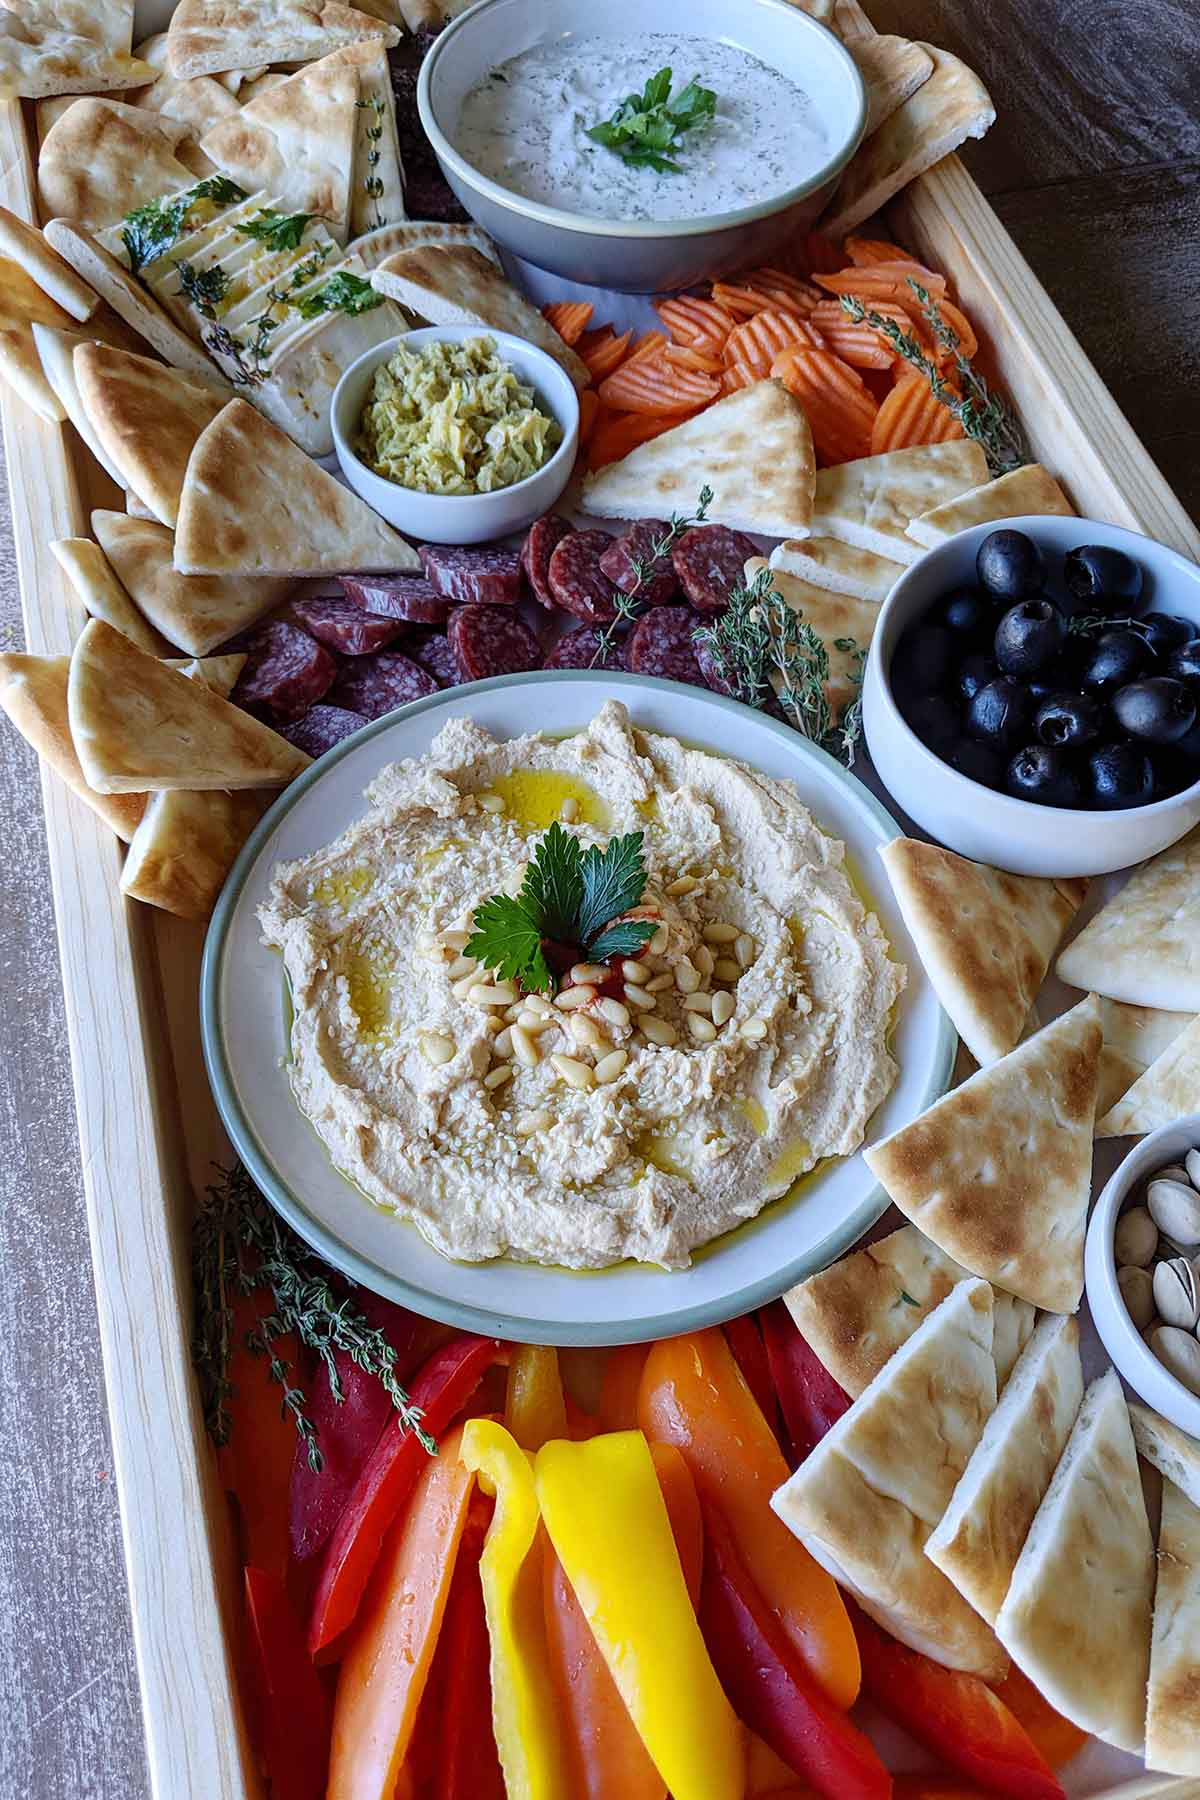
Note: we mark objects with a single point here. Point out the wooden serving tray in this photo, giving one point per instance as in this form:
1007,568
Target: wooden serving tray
148,1129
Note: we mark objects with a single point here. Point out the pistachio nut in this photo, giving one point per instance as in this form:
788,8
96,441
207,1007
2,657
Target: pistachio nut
1137,1291
1192,1163
1175,1209
1135,1239
1179,1354
1174,1288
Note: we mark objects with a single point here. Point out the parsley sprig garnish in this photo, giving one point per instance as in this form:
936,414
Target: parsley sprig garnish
645,129
278,231
343,292
150,230
571,898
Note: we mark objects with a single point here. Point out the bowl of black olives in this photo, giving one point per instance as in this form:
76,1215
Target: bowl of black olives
1032,697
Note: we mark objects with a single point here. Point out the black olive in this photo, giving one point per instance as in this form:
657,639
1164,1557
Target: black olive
1172,772
1119,775
967,610
1165,632
1001,714
1159,709
1009,566
1069,720
974,671
1117,658
978,762
1104,578
934,719
1029,637
924,660
1184,663
1045,774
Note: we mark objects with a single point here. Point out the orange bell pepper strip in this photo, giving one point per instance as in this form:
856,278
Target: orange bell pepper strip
766,1773
603,1509
1056,1737
619,1387
534,1409
390,1650
524,1711
256,1462
694,1396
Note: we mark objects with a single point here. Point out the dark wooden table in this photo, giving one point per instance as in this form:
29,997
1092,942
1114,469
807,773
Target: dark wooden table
1094,166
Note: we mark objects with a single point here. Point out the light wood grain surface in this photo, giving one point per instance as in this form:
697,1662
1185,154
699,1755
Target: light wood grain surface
1094,167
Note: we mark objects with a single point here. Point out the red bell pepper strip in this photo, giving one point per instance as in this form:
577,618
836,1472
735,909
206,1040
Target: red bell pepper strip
956,1716
768,1685
745,1340
933,1787
441,1389
290,1712
256,1462
809,1398
468,1763
1056,1737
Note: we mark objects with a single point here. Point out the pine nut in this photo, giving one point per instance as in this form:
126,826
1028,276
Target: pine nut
720,933
534,1023
704,959
537,1003
697,1003
455,940
462,965
436,1048
491,803
659,941
702,1029
576,1074
569,810
635,972
754,1029
573,997
497,1077
462,988
723,1008
502,1043
638,997
684,884
493,1024
657,1031
658,984
614,1012
725,969
687,977
588,972
502,994
512,1013
525,1050
610,1066
584,1032
744,949
530,1123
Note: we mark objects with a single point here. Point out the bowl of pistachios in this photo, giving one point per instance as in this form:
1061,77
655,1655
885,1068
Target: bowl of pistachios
1143,1271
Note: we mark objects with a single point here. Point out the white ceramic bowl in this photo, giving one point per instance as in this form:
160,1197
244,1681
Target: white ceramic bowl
642,256
974,820
459,518
246,1039
1118,1333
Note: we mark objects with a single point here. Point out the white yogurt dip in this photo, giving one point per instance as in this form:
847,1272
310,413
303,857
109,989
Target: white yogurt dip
525,126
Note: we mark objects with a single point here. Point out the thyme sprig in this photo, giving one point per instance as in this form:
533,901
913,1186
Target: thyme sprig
241,1246
1088,624
247,357
984,416
372,183
628,604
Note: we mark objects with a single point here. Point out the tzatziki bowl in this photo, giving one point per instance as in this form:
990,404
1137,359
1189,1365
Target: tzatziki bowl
619,147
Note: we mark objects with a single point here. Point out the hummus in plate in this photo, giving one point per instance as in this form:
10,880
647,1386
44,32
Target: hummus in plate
536,1139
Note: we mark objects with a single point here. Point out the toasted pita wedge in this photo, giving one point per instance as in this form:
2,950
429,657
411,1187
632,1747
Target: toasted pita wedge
23,243
1173,1694
138,725
219,673
1077,1614
981,1534
237,81
1171,1451
377,181
871,502
455,284
197,612
1169,1089
754,449
296,141
94,580
998,1172
865,1500
1134,1037
836,619
985,938
255,504
147,417
1144,946
1027,490
56,350
199,104
413,234
184,848
839,568
47,113
136,508
207,36
23,304
103,158
66,47
892,68
33,692
949,107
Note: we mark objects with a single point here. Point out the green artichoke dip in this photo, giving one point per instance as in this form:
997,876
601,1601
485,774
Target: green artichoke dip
452,418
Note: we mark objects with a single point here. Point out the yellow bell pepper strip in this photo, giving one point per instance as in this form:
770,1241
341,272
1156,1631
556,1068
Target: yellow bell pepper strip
524,1711
693,1395
535,1411
604,1511
390,1647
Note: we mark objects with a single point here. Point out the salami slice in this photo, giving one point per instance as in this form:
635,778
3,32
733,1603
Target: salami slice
321,728
709,561
285,673
661,644
407,597
344,626
487,642
576,580
631,565
374,685
584,648
487,576
432,650
537,550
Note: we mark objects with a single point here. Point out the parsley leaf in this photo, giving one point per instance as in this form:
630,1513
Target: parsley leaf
204,288
507,939
150,230
626,938
613,880
645,129
553,886
343,292
278,231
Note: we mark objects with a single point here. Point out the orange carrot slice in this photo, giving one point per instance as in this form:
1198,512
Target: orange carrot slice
688,358
911,415
885,281
820,255
650,384
756,342
701,324
616,434
840,407
570,318
649,344
860,345
864,252
603,351
747,298
785,289
589,413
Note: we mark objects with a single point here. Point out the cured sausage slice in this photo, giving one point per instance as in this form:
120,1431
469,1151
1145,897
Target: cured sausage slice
407,597
432,650
285,673
577,582
374,685
537,550
710,561
661,644
622,560
581,649
344,626
321,728
488,642
487,576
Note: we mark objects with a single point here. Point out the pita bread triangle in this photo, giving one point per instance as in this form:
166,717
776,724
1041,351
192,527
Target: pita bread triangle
147,417
753,449
138,725
94,580
197,612
1027,490
1076,1617
1173,1695
866,1498
871,501
296,142
208,36
103,158
411,234
1172,1452
836,618
981,1534
841,568
254,504
33,692
998,1172
892,68
985,938
66,47
1134,1037
185,846
1169,1089
1144,945
23,243
377,179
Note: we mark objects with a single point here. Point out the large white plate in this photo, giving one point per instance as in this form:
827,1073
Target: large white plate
245,1040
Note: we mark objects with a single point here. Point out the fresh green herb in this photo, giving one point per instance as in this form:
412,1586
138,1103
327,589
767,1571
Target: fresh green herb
646,128
150,230
372,183
205,289
245,358
1090,624
984,416
628,606
907,1298
343,292
570,897
241,1246
278,231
